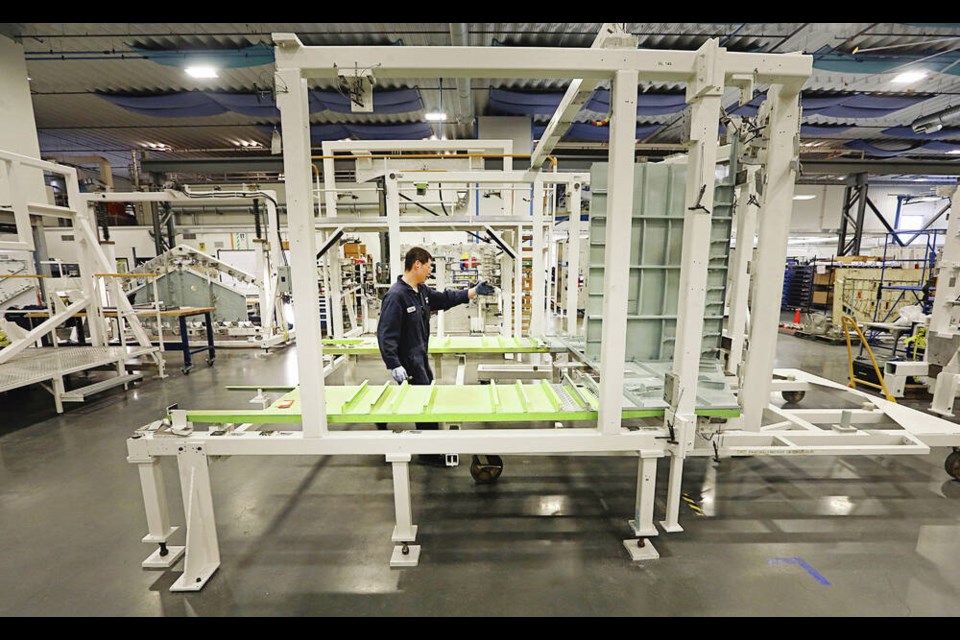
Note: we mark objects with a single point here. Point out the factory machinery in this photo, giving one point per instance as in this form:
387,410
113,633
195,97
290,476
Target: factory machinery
186,277
693,404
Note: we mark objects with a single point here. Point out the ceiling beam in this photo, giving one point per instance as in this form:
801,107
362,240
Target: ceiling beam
214,165
882,167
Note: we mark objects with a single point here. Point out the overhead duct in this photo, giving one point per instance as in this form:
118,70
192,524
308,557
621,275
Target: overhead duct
459,38
935,122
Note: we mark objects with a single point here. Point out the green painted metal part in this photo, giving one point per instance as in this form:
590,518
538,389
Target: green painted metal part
539,401
447,344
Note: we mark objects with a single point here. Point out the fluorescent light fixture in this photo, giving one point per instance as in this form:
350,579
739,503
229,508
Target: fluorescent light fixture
202,72
804,197
953,152
909,76
435,116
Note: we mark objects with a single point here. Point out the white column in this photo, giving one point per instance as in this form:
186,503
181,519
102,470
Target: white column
506,289
613,337
704,92
573,256
746,219
440,268
19,131
393,226
777,204
538,291
303,247
518,286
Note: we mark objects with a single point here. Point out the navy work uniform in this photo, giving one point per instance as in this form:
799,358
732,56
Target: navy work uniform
403,331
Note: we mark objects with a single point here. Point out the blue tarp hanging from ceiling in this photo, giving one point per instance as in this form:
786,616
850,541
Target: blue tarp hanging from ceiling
251,56
841,106
822,129
516,103
406,131
947,133
187,104
586,132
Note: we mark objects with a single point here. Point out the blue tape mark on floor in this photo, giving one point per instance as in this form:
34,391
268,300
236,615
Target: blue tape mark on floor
803,564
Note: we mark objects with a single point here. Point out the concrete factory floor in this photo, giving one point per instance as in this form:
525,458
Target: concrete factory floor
823,536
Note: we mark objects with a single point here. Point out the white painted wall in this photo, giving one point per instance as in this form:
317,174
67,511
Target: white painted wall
18,128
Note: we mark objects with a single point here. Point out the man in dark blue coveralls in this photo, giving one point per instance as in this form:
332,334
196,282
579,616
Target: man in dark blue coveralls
403,332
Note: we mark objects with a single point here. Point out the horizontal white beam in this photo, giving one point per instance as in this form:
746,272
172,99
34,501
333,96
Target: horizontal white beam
491,176
530,62
500,146
413,223
554,441
37,163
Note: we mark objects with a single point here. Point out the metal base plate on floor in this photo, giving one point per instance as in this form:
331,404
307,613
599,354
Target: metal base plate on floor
156,561
638,553
642,533
197,583
410,559
675,528
396,537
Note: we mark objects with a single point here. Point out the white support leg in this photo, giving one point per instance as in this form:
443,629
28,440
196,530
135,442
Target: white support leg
518,286
303,244
777,204
159,529
404,554
944,393
613,338
58,391
202,555
672,522
746,215
639,547
573,257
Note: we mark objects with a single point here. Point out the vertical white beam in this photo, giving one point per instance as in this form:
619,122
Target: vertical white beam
948,284
642,524
393,225
331,260
613,337
518,286
405,530
538,290
746,218
507,289
440,270
704,92
573,256
303,245
777,205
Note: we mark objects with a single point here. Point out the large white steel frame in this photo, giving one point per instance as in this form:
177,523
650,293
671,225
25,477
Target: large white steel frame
267,251
794,432
93,264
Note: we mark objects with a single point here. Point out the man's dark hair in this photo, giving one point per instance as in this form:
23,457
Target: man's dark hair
416,253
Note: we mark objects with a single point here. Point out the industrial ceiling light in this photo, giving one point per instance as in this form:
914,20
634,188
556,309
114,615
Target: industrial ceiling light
202,71
804,197
435,116
953,152
910,76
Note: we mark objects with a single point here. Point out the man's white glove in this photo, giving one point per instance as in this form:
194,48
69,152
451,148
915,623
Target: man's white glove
399,374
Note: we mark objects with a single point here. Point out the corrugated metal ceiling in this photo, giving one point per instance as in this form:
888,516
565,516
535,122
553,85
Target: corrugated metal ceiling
87,58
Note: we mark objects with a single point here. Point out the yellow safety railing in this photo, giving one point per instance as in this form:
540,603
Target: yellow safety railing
847,322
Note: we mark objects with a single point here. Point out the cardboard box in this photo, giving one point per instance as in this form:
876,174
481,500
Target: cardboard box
822,297
354,250
823,278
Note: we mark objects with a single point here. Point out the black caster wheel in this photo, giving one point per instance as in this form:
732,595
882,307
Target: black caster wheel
952,465
485,469
186,370
210,361
793,397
